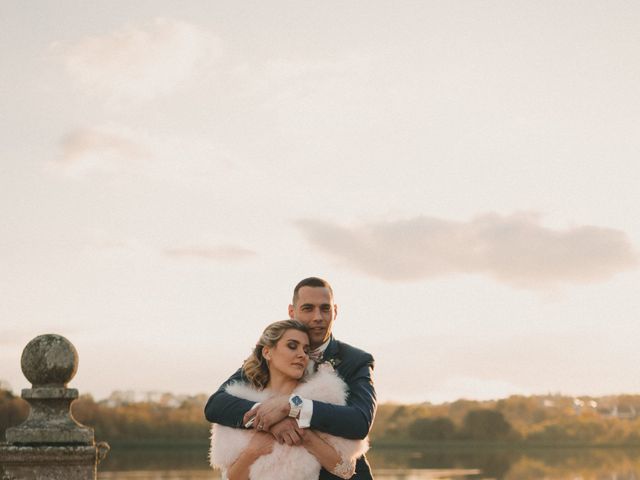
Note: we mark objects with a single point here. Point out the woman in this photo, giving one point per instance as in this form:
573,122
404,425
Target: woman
277,365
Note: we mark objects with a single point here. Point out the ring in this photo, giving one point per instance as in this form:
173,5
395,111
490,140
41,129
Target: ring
260,427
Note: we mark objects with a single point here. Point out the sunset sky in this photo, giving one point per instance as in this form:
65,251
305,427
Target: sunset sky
466,174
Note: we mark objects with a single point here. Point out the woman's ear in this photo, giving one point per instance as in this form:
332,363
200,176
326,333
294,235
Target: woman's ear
266,353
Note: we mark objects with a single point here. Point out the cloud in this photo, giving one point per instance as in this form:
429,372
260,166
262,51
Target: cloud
117,150
105,243
104,150
222,252
139,62
514,249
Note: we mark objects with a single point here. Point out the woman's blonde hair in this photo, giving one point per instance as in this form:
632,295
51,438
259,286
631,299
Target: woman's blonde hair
255,367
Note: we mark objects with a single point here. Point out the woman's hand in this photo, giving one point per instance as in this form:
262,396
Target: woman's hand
327,455
261,443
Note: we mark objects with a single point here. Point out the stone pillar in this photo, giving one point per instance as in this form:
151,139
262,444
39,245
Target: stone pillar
50,444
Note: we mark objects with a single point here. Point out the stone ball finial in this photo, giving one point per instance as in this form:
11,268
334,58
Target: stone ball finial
49,360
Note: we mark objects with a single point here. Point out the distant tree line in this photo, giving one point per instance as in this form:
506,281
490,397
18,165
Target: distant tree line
534,420
140,422
548,420
480,424
13,411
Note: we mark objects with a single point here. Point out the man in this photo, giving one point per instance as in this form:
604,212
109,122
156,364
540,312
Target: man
314,306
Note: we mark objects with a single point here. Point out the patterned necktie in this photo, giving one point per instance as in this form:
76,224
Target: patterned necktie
316,356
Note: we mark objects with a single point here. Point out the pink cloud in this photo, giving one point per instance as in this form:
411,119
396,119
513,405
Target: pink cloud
514,249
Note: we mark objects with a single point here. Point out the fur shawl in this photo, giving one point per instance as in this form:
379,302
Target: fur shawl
227,443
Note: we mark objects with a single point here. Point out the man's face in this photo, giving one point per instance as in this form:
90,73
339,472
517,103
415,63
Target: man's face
315,308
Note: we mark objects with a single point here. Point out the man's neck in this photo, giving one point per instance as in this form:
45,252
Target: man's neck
322,346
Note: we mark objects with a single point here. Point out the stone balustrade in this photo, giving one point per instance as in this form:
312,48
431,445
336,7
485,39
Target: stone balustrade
50,444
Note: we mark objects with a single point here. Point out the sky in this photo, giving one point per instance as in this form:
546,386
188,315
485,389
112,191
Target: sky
464,173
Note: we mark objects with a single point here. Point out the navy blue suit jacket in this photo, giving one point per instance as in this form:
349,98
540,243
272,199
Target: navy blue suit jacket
350,421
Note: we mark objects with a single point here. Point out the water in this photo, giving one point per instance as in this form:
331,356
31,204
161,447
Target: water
399,464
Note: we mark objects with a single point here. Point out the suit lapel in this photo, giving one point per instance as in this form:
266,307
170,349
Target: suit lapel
332,349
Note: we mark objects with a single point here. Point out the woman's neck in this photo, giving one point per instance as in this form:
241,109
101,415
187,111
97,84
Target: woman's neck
281,384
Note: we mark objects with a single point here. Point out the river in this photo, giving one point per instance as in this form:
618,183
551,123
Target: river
404,464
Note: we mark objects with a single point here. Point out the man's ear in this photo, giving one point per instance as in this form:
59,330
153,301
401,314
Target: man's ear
335,311
292,310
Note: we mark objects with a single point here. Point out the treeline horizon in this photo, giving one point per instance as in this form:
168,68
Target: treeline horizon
538,420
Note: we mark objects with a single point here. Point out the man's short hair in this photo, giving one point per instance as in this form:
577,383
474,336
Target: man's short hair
311,282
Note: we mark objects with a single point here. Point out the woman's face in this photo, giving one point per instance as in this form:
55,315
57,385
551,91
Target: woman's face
290,355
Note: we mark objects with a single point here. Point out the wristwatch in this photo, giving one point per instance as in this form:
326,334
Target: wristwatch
295,405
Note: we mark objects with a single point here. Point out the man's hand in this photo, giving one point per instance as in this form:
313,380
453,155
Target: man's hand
269,413
287,431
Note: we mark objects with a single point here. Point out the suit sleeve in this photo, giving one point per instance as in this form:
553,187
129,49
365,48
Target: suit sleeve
225,409
352,421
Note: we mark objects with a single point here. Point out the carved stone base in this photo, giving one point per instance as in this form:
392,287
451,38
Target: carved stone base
48,462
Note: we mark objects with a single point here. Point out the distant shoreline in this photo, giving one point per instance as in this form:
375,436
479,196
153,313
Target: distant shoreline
459,445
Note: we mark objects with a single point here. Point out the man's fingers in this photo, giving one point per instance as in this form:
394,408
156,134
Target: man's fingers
287,431
279,438
293,438
289,438
267,420
259,423
262,423
247,417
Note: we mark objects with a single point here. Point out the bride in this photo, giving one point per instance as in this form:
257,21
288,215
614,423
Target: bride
277,366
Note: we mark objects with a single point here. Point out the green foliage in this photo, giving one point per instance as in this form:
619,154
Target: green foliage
438,428
535,420
13,411
483,424
135,422
584,429
143,421
521,411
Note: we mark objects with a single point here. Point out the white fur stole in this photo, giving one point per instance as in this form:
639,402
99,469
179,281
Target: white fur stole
294,463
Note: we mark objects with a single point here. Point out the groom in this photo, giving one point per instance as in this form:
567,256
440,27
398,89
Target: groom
312,305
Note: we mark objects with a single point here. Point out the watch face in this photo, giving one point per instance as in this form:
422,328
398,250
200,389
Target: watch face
297,401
